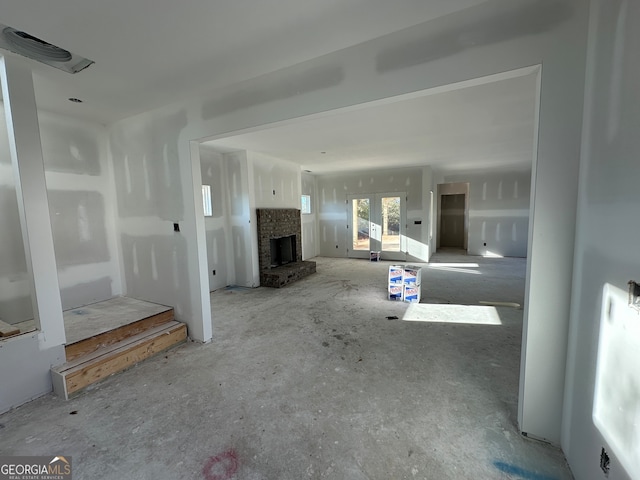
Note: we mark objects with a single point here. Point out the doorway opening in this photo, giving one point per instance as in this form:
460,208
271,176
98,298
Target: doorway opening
452,220
453,216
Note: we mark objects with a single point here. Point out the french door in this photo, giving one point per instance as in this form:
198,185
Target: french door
377,223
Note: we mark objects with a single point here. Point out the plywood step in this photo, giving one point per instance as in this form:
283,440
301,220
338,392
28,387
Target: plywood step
92,344
8,330
77,374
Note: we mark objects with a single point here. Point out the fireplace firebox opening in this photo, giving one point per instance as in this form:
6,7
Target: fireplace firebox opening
283,250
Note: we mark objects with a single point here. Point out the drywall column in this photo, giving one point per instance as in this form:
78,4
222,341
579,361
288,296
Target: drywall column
200,321
242,218
309,221
31,188
254,266
554,188
428,196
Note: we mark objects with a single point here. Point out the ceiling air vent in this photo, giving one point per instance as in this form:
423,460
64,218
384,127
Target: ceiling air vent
32,47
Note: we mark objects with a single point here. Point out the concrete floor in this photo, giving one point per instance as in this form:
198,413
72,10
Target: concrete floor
313,381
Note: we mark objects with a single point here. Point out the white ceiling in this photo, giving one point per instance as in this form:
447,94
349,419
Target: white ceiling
149,53
484,126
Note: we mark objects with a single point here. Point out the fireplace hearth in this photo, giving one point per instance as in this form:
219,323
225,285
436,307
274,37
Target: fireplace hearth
280,247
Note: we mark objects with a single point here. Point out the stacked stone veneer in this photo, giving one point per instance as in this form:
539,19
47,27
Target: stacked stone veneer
277,223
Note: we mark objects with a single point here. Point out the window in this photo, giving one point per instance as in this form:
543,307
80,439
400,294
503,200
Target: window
306,204
206,200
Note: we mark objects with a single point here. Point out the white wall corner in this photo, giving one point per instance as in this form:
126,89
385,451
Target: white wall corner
28,164
200,325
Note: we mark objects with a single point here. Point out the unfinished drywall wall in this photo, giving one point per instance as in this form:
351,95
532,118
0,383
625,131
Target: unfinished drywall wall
333,235
81,203
25,359
80,194
500,36
242,216
276,182
219,244
273,183
309,220
25,369
150,189
152,265
231,242
15,290
498,204
606,242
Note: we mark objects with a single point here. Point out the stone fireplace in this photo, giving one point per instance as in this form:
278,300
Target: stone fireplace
280,247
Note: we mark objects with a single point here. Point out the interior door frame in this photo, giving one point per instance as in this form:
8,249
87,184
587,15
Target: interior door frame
375,220
453,189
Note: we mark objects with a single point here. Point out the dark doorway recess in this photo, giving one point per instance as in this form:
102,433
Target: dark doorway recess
452,221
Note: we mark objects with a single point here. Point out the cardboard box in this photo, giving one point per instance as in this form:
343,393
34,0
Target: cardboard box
396,273
411,294
395,292
412,275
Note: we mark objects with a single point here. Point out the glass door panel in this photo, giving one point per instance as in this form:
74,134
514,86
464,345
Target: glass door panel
376,222
390,223
361,231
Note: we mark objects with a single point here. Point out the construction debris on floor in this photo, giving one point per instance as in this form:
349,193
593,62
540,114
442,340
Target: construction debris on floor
312,381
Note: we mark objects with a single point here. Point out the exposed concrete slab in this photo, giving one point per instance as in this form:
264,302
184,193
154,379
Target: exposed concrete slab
313,381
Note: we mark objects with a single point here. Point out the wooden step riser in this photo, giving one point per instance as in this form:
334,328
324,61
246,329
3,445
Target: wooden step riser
70,380
89,345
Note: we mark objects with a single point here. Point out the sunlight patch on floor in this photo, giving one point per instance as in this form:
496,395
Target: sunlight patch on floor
445,267
438,313
455,264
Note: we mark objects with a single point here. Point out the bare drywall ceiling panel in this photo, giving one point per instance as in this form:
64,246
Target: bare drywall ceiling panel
487,125
218,44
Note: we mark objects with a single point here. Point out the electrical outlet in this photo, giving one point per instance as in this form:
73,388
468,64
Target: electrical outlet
604,462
